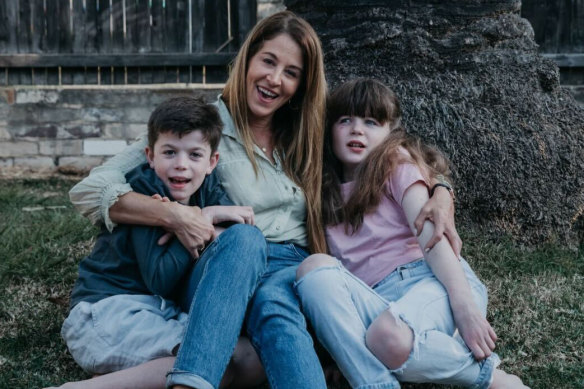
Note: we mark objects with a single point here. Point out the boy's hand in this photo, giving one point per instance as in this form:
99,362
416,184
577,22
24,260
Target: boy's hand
439,209
229,213
476,331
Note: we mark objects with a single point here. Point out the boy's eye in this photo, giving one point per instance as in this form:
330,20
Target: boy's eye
196,155
169,152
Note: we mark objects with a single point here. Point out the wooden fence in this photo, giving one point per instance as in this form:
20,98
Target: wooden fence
60,42
559,29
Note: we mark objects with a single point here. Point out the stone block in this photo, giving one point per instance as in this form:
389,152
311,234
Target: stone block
36,96
83,130
103,147
6,162
7,95
60,147
35,162
124,130
103,114
79,163
18,149
137,114
4,134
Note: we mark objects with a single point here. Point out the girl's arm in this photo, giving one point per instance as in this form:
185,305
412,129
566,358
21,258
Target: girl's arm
474,328
105,197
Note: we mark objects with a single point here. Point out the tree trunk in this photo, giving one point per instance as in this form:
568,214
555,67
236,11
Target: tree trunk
471,81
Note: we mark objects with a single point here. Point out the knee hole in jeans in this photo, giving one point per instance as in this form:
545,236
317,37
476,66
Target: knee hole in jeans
313,262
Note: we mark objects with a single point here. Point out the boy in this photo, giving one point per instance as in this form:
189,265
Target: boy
121,308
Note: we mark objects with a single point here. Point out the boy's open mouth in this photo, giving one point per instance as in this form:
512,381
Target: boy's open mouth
179,180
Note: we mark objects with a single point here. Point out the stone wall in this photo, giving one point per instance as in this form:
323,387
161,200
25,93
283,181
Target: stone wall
76,128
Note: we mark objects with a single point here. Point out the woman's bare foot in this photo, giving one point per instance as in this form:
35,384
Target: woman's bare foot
502,380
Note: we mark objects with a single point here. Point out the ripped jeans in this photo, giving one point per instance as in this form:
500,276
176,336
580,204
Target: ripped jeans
341,307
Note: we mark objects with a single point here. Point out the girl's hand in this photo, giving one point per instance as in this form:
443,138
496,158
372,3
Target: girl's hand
439,209
229,213
476,331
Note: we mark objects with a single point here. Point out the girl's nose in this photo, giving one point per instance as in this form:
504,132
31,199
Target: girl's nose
357,128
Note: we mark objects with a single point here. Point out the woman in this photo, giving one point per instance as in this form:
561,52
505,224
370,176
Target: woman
270,158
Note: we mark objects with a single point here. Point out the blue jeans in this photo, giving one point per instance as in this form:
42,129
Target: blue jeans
220,287
277,327
341,307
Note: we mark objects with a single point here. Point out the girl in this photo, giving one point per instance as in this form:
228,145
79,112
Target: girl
385,310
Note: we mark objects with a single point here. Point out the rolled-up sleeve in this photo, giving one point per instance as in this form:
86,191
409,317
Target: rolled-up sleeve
95,194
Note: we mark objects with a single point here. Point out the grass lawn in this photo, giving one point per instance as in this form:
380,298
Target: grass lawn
536,295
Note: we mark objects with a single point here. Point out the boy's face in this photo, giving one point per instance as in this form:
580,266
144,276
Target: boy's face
182,163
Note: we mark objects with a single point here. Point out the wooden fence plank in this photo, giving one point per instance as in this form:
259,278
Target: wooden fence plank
38,20
157,27
52,26
104,43
118,24
65,27
198,23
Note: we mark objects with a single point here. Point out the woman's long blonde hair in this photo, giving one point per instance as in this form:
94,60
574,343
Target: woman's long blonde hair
299,125
370,98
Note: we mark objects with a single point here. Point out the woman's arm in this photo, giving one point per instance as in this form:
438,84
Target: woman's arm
474,328
439,209
95,194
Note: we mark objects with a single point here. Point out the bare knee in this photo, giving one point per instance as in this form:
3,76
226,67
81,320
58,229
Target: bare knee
390,340
313,262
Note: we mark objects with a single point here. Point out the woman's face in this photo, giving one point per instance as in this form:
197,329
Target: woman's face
273,76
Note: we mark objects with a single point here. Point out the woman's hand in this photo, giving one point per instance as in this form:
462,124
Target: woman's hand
189,226
439,209
476,331
229,213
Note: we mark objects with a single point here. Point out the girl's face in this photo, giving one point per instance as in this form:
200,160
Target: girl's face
273,76
353,139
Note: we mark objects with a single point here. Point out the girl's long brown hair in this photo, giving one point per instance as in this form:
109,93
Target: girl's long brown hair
298,127
370,98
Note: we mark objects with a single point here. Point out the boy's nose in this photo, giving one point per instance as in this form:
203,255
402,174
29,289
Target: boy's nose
180,162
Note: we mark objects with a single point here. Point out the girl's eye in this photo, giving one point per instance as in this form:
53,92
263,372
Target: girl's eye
345,120
371,122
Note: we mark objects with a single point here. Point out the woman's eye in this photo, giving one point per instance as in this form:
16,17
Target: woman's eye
292,73
269,61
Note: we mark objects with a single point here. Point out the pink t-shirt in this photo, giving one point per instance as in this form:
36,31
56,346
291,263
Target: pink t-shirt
385,240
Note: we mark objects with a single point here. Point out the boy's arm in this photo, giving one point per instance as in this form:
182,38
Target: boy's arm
474,328
161,267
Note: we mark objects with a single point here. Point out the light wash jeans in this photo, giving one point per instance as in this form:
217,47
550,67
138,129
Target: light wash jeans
240,265
341,307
